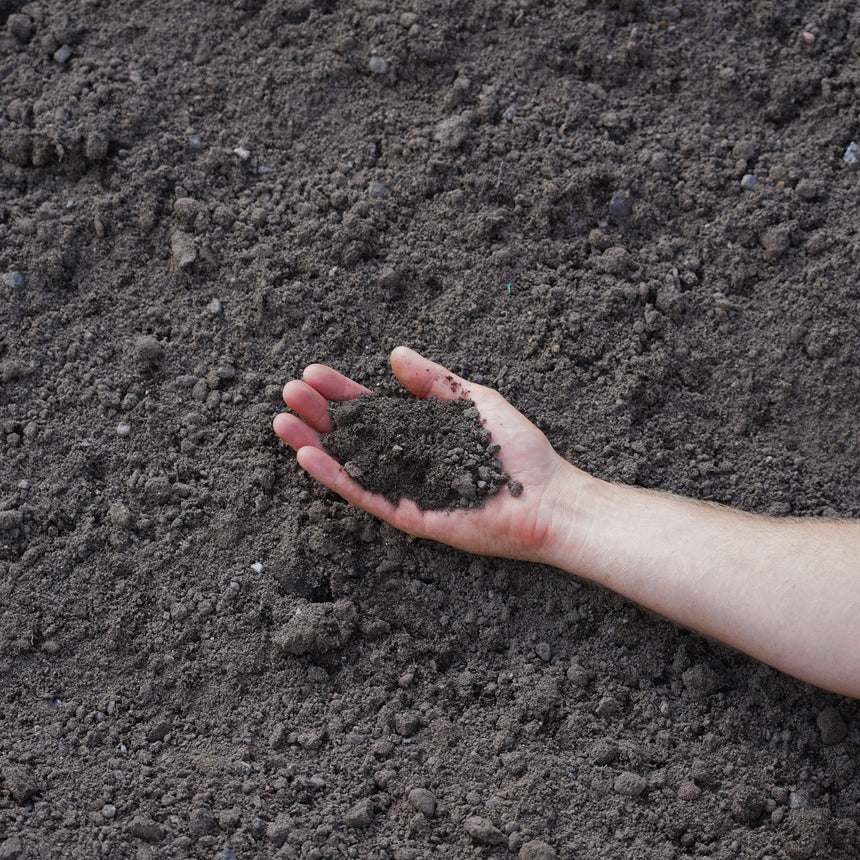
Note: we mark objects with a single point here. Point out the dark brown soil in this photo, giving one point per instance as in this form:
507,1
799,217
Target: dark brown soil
436,453
635,219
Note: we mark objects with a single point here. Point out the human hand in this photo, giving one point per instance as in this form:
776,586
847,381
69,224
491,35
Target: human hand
505,526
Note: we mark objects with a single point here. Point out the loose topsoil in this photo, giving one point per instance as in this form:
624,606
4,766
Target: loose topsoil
435,452
638,220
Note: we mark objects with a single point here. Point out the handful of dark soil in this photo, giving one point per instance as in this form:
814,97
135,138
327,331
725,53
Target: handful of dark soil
435,452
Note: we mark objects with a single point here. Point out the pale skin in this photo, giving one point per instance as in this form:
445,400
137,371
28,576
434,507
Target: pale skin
785,591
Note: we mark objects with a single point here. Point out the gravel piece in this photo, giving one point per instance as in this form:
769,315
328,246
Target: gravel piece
63,55
749,181
621,206
378,65
544,651
15,280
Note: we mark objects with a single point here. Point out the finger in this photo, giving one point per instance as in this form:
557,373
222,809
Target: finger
424,377
331,384
308,403
328,471
294,432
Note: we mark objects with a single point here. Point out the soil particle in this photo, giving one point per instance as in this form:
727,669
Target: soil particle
434,452
145,828
630,784
832,726
11,848
360,814
20,782
317,628
423,801
536,849
747,804
483,831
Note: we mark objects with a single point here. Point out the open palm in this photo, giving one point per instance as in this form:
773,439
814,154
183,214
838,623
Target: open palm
505,526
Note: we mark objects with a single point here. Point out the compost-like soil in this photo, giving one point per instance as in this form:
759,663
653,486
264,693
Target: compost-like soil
437,453
637,220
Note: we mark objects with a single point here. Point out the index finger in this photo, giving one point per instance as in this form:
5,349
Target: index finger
331,384
425,378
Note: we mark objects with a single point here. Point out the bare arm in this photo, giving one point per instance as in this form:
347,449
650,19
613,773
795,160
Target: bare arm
784,591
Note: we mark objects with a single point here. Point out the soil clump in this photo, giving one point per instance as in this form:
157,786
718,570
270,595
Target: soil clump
435,452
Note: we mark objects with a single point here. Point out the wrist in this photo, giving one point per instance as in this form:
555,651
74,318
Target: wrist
573,500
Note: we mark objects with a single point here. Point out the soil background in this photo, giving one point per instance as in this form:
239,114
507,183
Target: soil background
636,220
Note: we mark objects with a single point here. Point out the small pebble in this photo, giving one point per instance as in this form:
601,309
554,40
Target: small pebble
621,206
194,143
749,181
377,191
378,65
215,307
850,156
257,567
123,430
243,153
63,55
14,280
544,651
799,800
109,810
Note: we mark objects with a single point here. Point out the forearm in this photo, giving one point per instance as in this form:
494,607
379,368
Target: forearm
786,591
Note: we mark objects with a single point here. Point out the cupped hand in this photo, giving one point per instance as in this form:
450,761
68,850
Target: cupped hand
513,527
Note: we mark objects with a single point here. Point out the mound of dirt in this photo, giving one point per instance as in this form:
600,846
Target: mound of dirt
435,452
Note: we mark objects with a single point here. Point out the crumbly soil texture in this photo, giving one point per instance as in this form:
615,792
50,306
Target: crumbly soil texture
637,220
437,453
